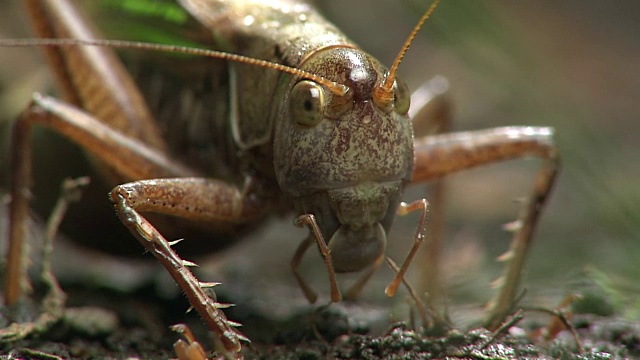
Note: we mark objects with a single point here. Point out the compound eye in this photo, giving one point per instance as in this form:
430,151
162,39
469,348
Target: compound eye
401,97
307,103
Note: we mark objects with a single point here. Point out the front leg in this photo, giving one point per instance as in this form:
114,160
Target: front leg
437,156
196,199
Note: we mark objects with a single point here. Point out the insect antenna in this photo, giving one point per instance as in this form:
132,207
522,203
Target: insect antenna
334,87
383,94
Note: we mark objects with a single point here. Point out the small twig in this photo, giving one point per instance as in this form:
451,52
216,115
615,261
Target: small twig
560,315
71,192
503,328
54,301
36,354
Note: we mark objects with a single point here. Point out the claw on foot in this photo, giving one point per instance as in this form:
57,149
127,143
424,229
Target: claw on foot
189,348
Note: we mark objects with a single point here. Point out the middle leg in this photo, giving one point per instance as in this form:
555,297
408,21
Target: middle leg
441,155
432,115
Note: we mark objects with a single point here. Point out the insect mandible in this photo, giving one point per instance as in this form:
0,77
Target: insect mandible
333,143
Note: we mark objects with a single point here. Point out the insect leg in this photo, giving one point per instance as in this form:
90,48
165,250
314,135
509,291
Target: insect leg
357,287
440,155
316,234
433,116
126,156
189,348
309,293
190,198
405,209
92,78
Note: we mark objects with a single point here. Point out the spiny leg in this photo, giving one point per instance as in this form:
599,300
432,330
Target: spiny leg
128,157
310,220
431,114
523,237
94,79
190,198
440,155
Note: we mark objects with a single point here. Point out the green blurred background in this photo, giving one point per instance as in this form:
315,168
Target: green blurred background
572,65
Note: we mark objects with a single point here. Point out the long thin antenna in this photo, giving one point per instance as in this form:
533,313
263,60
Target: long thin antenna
384,93
334,87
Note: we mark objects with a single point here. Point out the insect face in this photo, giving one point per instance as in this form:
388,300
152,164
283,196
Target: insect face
346,158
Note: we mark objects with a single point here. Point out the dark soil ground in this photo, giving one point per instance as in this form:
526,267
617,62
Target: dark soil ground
103,323
602,340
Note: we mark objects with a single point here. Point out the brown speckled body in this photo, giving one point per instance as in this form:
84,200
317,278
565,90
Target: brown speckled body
363,156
